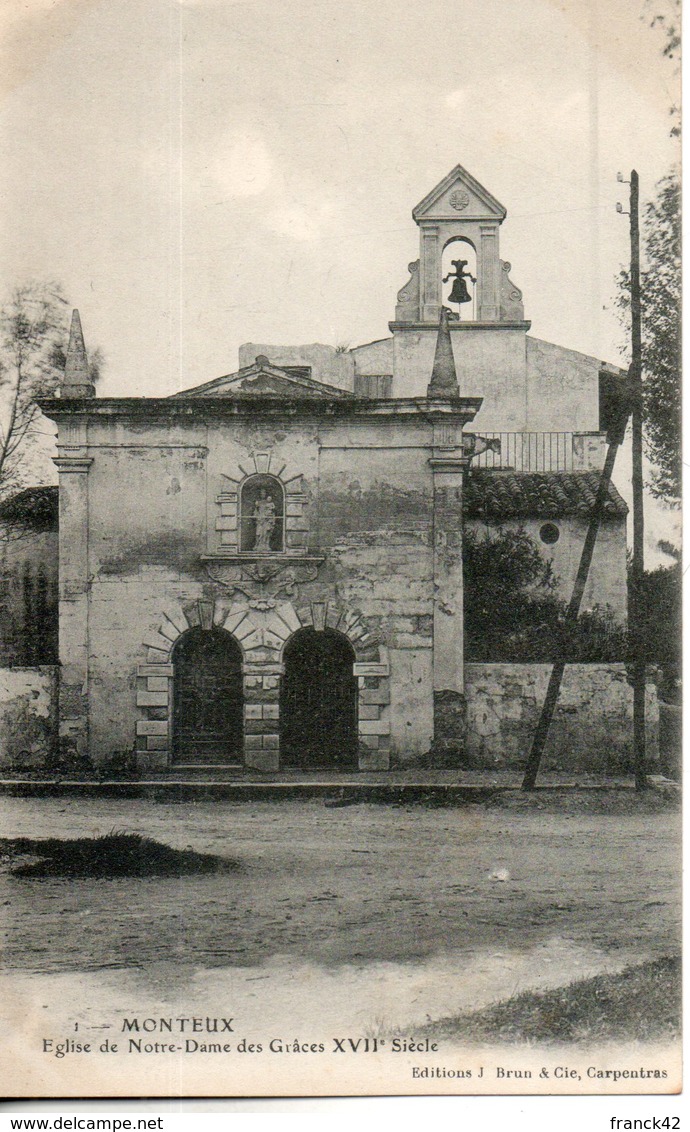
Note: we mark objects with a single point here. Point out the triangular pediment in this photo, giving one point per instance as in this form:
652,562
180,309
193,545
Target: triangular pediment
459,196
261,379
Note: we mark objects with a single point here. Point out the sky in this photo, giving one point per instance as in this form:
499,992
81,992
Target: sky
201,173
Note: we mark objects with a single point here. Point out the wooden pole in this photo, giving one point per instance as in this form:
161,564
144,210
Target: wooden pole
632,401
570,622
637,570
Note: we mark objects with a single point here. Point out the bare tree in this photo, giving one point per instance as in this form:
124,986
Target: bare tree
33,338
33,331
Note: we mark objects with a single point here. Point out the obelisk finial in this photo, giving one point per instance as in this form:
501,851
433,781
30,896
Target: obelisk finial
444,379
77,381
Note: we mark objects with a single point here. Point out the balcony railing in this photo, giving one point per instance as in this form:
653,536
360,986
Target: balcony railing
544,451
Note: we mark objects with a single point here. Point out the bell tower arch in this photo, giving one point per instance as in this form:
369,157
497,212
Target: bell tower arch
459,208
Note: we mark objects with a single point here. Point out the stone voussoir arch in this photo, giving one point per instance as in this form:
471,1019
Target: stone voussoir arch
372,669
321,615
154,675
262,634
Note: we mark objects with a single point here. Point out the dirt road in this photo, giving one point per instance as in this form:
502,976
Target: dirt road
352,885
363,921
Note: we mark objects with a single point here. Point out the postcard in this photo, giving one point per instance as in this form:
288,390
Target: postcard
339,549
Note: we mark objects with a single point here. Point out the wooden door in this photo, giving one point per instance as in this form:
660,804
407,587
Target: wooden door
207,698
319,702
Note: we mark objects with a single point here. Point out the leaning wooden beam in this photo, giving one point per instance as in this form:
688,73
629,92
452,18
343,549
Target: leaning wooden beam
615,438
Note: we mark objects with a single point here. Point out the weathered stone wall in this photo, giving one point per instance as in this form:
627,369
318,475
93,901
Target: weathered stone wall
146,492
362,502
28,716
592,726
158,554
375,522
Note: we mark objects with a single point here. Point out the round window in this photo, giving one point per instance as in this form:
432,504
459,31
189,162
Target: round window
549,533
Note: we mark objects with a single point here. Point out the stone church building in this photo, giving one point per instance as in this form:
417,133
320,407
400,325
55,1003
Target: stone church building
266,571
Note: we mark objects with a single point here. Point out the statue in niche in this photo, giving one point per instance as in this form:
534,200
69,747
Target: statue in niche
459,291
264,516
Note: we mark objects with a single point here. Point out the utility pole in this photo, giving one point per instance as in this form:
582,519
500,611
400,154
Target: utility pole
630,401
615,439
637,570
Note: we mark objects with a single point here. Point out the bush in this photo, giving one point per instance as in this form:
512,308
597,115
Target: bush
661,617
512,614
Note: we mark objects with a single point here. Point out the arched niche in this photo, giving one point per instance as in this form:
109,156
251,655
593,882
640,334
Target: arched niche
262,515
459,279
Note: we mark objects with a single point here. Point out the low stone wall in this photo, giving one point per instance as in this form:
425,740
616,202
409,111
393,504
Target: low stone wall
592,725
671,740
591,731
28,716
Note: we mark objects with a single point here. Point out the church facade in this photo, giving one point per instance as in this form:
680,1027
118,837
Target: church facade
266,571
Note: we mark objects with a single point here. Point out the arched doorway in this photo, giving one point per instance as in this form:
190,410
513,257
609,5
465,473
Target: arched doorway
207,698
318,708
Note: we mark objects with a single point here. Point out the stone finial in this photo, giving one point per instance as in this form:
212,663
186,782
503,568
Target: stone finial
444,379
77,381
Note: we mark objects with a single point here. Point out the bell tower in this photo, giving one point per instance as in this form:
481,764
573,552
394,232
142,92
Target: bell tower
459,268
461,215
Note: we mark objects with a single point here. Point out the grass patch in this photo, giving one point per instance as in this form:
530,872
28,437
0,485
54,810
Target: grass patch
641,1003
114,855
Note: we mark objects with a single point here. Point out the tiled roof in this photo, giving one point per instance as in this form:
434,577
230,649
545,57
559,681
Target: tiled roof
536,495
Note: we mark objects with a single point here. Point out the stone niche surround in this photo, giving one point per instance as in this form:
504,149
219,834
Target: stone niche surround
227,524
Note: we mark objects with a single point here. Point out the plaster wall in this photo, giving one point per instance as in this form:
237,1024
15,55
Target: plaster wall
126,614
592,727
490,362
152,499
562,392
527,384
28,716
412,722
147,498
589,451
375,357
147,501
375,508
606,584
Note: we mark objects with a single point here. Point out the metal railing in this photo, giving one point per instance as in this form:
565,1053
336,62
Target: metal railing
531,452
